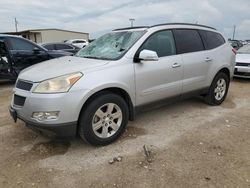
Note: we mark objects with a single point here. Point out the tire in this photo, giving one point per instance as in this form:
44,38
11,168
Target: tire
98,124
213,97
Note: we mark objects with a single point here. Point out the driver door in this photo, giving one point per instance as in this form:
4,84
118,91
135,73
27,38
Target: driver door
5,62
25,54
156,80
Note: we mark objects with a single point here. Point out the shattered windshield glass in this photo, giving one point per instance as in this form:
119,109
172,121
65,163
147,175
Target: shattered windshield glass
111,46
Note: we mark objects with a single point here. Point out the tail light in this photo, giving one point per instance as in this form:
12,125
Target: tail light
234,51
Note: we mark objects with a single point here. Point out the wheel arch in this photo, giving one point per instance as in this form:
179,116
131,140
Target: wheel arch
116,90
223,69
226,71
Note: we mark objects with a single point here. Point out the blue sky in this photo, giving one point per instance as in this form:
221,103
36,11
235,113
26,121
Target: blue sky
100,16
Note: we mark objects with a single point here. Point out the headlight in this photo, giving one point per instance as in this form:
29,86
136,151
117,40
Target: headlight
58,85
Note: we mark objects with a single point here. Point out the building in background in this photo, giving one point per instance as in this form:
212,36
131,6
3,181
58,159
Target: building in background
50,35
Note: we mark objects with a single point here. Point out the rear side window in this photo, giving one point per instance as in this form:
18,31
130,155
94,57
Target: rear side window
78,41
161,42
211,39
188,40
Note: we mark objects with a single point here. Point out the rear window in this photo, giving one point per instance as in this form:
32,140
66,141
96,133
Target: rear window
211,39
63,47
188,40
49,46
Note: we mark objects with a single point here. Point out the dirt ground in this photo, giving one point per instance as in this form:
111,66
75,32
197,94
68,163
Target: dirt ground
190,144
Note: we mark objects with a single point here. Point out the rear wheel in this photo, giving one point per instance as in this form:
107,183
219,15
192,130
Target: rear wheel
218,89
104,119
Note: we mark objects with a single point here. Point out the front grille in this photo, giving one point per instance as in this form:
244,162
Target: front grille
24,85
241,73
243,64
19,100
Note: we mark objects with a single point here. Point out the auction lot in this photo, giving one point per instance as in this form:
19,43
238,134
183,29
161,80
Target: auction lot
191,145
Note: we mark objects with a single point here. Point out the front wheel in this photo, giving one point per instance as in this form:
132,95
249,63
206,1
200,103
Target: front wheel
104,119
218,89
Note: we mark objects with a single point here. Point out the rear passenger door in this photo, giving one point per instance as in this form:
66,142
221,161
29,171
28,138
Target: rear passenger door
196,61
160,79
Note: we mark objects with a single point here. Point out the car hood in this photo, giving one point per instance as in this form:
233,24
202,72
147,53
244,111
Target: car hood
243,58
59,66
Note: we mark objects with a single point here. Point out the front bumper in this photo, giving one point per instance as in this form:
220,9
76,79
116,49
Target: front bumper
61,130
242,71
68,105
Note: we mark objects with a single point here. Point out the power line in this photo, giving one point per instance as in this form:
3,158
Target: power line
132,21
234,31
16,23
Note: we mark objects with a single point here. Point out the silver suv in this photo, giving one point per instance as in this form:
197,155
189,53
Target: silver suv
97,91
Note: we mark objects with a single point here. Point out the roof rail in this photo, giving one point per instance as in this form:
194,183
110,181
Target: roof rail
140,27
183,24
128,28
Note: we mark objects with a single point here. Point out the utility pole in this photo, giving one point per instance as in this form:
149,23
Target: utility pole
16,22
234,31
132,21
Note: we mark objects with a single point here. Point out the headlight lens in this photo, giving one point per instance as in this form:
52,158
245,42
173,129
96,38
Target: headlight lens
58,85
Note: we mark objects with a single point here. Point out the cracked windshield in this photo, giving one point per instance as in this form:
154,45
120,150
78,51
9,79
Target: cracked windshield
111,46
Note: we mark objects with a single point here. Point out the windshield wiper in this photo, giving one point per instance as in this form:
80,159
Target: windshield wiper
90,57
122,49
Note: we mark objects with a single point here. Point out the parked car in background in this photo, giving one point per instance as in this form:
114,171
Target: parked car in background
242,67
244,42
235,44
97,91
18,53
61,46
81,43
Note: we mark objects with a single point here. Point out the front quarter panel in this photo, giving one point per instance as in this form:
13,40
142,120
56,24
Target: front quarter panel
116,74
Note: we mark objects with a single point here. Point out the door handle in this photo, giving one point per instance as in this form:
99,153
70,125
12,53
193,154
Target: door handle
175,65
208,59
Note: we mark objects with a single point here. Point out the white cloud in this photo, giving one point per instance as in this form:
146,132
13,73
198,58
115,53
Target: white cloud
243,30
96,16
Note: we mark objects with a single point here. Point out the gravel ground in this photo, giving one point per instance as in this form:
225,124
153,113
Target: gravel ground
190,144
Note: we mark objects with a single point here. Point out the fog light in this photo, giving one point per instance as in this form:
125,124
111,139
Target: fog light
43,116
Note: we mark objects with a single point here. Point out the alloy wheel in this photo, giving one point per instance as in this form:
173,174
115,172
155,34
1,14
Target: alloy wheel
107,120
220,89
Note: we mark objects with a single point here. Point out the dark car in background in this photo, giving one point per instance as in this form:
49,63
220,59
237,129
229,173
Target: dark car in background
17,53
235,44
61,46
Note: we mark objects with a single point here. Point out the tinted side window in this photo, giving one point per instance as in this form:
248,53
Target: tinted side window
161,42
211,40
188,40
49,47
20,44
63,46
78,41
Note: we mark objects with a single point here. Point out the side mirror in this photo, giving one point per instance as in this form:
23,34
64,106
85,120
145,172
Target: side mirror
148,55
36,50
